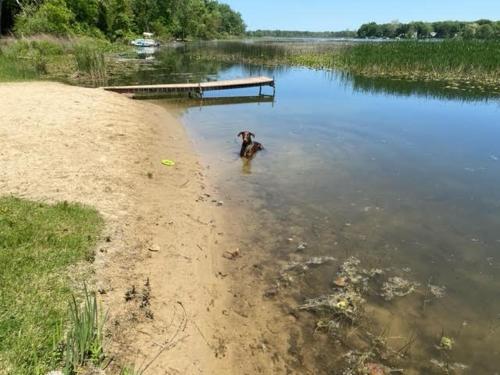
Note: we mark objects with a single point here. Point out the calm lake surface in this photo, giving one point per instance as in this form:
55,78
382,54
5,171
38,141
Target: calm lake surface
404,176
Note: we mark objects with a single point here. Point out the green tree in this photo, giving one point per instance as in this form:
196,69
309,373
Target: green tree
120,19
369,30
146,12
470,31
52,17
485,31
232,22
85,11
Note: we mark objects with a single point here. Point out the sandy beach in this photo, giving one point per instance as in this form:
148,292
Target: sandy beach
65,143
176,304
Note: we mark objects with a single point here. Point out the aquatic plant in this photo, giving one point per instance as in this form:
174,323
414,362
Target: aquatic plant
466,61
397,287
469,60
91,60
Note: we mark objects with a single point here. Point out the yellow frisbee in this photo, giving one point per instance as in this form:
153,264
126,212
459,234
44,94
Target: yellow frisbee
168,163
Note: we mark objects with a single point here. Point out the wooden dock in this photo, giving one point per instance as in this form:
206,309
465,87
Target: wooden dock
194,88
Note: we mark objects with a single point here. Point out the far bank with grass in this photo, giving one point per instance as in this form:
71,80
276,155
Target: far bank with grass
472,62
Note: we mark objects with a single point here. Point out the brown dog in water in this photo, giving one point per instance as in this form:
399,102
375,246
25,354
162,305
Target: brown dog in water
248,147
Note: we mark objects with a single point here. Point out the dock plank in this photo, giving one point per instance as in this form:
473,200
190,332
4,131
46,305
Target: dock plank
194,87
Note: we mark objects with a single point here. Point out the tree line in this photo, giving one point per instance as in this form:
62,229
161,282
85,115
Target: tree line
121,19
301,34
481,29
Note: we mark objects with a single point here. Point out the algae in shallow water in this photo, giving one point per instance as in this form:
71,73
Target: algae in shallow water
397,287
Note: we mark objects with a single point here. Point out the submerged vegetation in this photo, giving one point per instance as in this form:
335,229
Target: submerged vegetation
345,316
38,242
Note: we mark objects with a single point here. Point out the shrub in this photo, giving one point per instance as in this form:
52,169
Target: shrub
52,17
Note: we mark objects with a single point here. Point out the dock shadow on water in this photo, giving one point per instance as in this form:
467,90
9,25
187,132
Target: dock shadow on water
375,213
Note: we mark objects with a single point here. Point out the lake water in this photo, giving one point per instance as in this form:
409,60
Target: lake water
404,176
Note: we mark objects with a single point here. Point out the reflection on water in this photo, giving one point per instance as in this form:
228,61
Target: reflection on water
403,176
246,166
430,89
188,63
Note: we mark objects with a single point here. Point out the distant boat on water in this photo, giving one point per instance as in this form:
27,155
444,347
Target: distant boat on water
147,41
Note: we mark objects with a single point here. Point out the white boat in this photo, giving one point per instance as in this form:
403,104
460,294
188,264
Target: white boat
145,43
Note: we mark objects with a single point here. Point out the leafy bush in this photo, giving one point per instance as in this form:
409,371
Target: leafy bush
52,17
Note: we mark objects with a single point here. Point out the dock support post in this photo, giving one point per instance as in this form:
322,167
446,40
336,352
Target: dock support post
260,90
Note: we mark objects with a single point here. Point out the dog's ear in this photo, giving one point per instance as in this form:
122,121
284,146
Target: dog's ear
252,135
240,134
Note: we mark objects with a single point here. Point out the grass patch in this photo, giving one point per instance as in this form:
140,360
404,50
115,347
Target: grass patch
464,60
81,61
37,244
91,60
451,60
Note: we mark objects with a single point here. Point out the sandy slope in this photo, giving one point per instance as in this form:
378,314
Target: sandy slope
66,143
175,304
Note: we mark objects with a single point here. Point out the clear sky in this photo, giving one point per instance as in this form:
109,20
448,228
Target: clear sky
332,15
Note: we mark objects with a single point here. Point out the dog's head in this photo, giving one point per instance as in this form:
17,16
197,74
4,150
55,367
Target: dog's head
246,136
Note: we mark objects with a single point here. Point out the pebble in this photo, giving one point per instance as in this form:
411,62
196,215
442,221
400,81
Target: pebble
340,282
154,248
231,254
271,292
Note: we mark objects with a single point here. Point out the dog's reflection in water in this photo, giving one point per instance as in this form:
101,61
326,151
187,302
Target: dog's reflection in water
246,166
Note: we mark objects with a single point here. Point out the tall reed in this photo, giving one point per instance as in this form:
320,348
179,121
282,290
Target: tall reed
84,340
460,59
91,60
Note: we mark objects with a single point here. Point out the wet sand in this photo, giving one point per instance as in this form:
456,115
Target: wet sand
176,304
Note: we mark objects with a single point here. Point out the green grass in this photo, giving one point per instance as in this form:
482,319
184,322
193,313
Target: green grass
450,60
38,242
91,60
464,60
80,60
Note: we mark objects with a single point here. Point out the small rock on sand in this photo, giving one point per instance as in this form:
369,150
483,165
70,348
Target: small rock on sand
231,255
